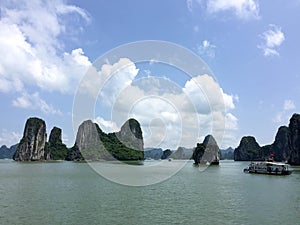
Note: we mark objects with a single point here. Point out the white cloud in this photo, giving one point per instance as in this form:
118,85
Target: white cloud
285,113
199,88
170,115
34,102
31,49
273,38
9,138
206,49
106,126
289,105
244,9
279,118
121,75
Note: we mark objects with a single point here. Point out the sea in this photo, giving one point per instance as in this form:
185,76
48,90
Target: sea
77,193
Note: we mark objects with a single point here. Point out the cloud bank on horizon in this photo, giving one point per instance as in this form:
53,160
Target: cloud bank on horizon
170,115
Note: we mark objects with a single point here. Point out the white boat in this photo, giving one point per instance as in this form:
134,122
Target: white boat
269,167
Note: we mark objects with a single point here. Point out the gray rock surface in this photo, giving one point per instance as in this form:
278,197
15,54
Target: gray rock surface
248,150
88,143
131,135
32,144
207,152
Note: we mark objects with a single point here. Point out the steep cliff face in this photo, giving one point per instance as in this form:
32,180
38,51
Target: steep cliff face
294,127
131,135
207,152
128,143
281,145
93,144
248,150
55,149
286,146
88,145
32,144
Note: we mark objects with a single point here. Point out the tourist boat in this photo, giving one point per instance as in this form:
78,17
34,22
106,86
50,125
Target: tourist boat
273,168
269,167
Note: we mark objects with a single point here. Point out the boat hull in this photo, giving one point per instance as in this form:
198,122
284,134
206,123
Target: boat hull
268,173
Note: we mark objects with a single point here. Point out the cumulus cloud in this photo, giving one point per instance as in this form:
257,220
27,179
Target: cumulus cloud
34,102
107,126
32,50
273,38
109,80
243,9
9,138
170,115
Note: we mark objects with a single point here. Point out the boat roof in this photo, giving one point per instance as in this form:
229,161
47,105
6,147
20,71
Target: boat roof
272,163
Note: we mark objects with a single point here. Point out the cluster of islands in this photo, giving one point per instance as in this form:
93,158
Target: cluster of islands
92,144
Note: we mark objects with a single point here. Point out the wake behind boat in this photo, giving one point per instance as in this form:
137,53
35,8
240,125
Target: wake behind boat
269,167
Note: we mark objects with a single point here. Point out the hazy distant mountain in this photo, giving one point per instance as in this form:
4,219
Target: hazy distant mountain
182,153
7,153
153,153
227,153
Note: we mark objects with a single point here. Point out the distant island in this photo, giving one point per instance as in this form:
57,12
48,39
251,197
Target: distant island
95,145
203,153
286,146
91,143
127,144
207,152
7,152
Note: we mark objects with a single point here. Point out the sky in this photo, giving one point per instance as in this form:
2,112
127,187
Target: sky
47,48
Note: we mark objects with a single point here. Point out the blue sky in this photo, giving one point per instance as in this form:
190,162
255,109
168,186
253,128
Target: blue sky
251,46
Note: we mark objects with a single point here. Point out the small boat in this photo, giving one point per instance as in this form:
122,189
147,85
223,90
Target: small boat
269,167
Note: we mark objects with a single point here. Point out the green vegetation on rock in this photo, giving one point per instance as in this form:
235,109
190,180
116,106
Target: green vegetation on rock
286,146
93,144
248,150
55,149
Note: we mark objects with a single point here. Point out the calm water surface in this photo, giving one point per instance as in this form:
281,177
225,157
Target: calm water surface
72,193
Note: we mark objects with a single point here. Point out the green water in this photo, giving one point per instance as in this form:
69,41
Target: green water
72,193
